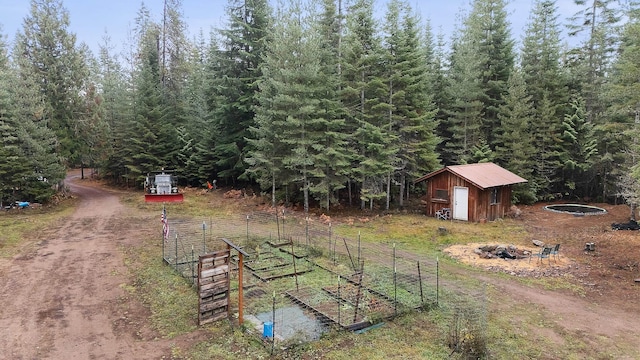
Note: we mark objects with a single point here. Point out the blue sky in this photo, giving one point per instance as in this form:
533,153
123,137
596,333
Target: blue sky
90,19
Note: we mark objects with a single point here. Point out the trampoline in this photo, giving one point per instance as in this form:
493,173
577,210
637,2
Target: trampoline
576,209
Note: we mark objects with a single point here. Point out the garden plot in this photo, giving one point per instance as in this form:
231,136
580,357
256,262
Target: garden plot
270,263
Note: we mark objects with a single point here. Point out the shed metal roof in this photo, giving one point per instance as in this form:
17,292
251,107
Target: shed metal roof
482,175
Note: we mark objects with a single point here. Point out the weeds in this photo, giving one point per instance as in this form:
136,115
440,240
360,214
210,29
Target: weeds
23,228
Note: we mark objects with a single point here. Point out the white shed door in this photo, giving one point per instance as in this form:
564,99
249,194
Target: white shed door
461,203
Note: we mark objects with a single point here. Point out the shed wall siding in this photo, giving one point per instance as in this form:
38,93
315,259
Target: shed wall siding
480,207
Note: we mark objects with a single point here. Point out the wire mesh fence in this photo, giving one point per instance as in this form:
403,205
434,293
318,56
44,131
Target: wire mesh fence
305,280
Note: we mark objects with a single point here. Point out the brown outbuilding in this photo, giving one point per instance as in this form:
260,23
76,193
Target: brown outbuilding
472,192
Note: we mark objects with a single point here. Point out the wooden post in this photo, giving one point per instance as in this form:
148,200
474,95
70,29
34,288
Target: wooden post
240,285
241,255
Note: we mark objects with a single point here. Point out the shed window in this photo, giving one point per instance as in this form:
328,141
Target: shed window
441,194
495,195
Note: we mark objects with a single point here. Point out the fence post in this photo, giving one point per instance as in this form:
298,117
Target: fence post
247,229
176,251
204,237
278,225
437,280
330,242
420,283
358,246
338,299
395,285
193,270
273,316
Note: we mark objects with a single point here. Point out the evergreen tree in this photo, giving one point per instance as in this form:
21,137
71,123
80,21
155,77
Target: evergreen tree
175,69
547,85
114,110
514,141
234,86
624,94
590,64
334,162
196,129
365,94
38,143
488,28
466,93
439,90
411,113
14,166
144,152
599,20
295,103
481,153
547,141
92,127
579,149
50,57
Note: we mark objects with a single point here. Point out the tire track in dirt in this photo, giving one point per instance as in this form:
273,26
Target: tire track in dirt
61,301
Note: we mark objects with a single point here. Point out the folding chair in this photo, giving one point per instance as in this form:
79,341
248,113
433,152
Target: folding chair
545,252
443,214
555,250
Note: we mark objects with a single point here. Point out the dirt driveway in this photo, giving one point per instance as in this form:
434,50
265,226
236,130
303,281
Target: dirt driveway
64,300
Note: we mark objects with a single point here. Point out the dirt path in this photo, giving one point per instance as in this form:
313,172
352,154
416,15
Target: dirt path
61,301
601,325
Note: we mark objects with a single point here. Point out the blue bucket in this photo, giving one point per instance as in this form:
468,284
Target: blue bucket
267,330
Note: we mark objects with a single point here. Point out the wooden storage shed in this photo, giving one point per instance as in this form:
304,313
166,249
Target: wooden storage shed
473,192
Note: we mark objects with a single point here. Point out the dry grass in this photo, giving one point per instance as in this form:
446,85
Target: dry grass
21,228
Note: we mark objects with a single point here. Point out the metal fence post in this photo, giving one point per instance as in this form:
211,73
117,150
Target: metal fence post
193,270
420,283
395,285
330,243
273,329
204,237
338,299
437,279
358,246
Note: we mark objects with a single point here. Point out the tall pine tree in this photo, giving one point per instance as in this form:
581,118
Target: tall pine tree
234,87
365,94
51,58
547,85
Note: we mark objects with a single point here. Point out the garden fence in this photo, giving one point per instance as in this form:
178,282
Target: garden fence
298,267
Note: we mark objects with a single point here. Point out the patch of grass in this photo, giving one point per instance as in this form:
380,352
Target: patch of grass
422,235
227,342
196,203
22,228
171,300
566,282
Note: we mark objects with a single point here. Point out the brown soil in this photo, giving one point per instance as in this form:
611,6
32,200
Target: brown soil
605,308
65,297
